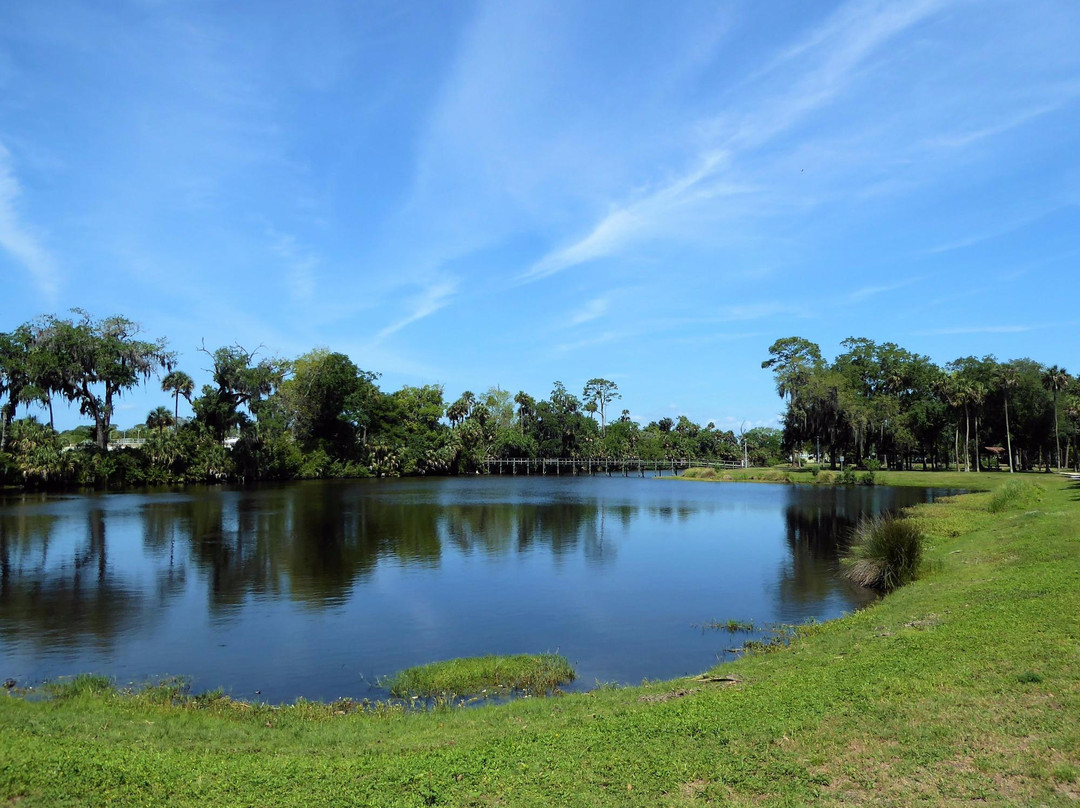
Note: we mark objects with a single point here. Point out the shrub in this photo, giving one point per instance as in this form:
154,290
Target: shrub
847,477
885,553
700,474
826,477
873,464
866,478
774,476
1015,494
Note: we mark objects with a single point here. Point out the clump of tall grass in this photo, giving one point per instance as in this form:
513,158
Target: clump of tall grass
701,474
85,684
535,674
885,552
1015,494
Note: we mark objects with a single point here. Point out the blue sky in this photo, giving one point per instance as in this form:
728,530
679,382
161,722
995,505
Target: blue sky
479,193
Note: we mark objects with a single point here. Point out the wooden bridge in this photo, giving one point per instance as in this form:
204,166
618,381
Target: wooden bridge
609,466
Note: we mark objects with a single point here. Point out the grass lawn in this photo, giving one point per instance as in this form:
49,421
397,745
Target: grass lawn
962,687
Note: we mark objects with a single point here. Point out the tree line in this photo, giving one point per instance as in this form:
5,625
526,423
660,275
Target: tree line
317,415
882,405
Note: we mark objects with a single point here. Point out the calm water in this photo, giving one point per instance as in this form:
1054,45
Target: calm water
316,589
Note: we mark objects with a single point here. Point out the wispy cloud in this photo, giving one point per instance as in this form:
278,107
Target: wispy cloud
633,221
960,140
873,291
300,263
436,295
974,329
991,233
759,311
593,310
825,61
19,240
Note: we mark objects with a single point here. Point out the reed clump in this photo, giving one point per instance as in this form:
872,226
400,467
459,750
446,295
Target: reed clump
885,552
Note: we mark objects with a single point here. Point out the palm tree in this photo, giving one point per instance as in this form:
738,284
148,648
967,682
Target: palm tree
1056,379
179,384
947,389
1008,377
461,409
526,408
159,418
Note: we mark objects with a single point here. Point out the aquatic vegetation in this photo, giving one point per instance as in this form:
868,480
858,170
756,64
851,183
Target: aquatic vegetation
532,674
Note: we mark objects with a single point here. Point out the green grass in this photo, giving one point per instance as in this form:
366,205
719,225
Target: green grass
1015,494
534,674
966,481
961,688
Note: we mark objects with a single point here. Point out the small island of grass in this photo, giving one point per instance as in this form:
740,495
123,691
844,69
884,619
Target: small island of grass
533,674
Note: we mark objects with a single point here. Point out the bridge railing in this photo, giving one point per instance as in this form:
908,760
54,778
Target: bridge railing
602,465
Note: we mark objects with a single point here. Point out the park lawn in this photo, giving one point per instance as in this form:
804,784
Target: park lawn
961,687
957,480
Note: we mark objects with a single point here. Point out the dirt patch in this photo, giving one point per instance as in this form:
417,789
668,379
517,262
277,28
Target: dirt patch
718,680
693,789
656,698
927,622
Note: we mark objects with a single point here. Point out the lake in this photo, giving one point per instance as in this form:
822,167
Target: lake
317,589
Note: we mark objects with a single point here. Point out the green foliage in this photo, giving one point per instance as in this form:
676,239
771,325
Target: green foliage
96,361
885,552
1015,494
36,453
85,684
534,674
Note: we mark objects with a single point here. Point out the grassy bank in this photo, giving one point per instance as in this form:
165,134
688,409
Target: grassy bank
961,687
968,481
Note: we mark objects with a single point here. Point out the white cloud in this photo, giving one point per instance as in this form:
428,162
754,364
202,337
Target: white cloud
822,65
975,329
300,263
430,300
18,239
872,291
592,310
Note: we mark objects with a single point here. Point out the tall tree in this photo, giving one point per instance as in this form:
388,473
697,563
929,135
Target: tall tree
526,409
792,361
99,361
15,348
320,398
238,381
179,384
1008,378
1055,380
601,392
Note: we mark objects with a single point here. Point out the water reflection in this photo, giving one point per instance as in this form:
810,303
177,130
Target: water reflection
52,598
629,563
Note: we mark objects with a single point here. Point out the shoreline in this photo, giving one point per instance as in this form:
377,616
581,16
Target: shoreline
963,685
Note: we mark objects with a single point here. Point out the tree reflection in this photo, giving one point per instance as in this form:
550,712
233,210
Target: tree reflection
66,601
816,532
